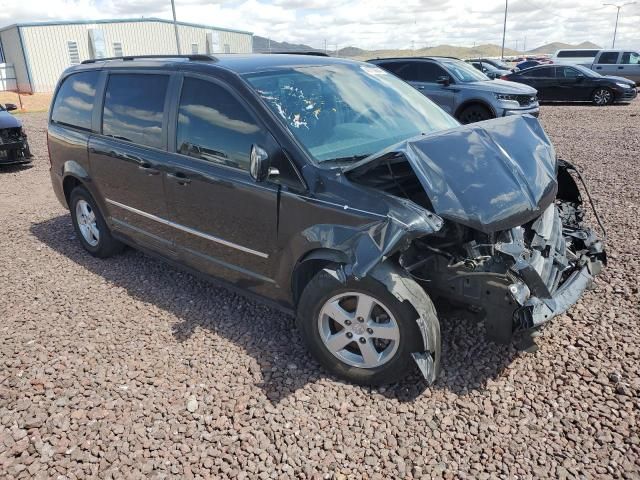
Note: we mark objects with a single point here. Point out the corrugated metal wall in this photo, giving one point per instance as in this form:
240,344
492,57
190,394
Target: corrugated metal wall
13,54
48,53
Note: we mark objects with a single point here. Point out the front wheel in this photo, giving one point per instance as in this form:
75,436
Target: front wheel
474,113
358,330
602,97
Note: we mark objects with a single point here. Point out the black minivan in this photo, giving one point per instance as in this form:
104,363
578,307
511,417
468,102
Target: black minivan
328,187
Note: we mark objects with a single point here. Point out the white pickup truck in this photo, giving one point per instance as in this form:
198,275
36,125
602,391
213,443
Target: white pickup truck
619,63
615,62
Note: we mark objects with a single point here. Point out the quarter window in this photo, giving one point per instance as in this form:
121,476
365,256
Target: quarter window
133,108
74,102
630,58
214,126
608,58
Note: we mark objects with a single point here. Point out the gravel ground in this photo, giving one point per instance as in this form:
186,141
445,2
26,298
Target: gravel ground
128,368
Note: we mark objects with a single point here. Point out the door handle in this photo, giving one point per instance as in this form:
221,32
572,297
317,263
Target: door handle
620,68
179,177
598,68
148,168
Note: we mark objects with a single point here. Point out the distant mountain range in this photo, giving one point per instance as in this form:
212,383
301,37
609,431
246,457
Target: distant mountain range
262,44
552,47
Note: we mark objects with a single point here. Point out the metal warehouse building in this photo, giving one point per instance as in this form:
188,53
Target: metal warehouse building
35,54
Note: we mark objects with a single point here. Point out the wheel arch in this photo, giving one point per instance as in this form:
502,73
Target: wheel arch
74,175
309,265
474,101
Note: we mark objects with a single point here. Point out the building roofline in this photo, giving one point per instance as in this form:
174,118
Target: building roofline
119,20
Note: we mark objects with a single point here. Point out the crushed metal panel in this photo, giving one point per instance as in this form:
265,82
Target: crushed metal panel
489,176
404,288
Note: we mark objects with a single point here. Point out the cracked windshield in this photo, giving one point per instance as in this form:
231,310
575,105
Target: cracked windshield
343,113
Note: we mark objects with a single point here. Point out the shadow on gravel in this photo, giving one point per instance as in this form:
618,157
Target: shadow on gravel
264,333
583,104
16,167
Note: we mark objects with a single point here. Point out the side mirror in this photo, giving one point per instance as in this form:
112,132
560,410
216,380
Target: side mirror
579,77
10,106
259,164
444,80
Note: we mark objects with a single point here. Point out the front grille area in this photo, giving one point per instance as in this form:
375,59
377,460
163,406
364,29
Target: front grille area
548,248
526,100
10,135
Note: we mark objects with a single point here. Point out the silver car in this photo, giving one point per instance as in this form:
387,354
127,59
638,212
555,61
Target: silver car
461,90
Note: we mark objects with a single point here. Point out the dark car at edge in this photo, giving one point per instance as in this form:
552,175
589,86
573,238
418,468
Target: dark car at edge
14,148
571,83
329,188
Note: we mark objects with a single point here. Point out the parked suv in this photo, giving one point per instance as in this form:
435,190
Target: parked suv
461,90
328,187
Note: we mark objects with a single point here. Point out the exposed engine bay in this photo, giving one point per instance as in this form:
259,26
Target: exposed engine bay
516,249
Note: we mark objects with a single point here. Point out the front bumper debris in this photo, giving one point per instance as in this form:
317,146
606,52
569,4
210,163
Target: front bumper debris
14,147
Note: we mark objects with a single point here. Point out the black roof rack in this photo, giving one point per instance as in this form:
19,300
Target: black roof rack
199,57
299,52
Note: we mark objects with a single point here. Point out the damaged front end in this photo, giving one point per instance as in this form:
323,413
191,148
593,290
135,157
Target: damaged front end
513,243
14,147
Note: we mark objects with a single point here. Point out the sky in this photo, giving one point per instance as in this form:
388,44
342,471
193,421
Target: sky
370,24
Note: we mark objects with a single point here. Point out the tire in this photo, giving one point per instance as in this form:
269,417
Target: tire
474,113
91,228
602,96
394,356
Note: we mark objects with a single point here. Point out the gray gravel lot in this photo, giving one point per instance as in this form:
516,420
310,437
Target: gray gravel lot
128,368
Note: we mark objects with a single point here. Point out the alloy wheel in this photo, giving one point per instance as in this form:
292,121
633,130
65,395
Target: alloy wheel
602,96
86,218
358,330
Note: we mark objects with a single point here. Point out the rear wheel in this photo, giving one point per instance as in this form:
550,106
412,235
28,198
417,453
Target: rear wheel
602,96
474,113
358,330
90,226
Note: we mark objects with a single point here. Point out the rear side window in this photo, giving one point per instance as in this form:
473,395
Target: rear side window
630,58
577,53
74,102
133,108
214,126
567,72
421,72
409,71
608,58
544,72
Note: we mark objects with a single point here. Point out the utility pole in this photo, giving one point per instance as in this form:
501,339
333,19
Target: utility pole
175,26
325,45
615,30
504,28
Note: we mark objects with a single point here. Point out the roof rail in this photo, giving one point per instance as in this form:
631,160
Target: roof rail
199,57
299,52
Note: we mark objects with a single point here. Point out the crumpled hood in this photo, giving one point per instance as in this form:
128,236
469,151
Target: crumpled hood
8,121
489,176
